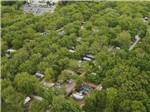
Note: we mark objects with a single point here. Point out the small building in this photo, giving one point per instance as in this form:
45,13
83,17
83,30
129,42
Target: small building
37,97
99,87
118,48
145,18
39,75
93,73
27,100
11,50
88,57
72,49
77,96
82,27
137,37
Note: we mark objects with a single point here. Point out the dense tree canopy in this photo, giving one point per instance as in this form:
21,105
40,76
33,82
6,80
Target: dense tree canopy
55,44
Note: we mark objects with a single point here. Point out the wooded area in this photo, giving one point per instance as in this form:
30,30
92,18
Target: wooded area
84,46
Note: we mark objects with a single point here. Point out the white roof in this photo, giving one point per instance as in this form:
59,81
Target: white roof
117,48
99,87
86,58
89,56
11,50
82,27
71,50
27,99
145,17
78,96
137,37
93,73
55,1
37,97
39,75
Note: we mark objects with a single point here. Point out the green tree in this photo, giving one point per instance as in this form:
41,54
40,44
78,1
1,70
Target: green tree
11,100
132,106
123,40
26,83
49,74
111,94
38,106
59,104
96,102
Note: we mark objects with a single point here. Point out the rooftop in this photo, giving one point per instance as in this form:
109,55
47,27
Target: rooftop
39,75
11,50
27,99
38,7
77,96
87,59
72,50
37,97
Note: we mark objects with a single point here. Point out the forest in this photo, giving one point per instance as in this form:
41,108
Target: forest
82,46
